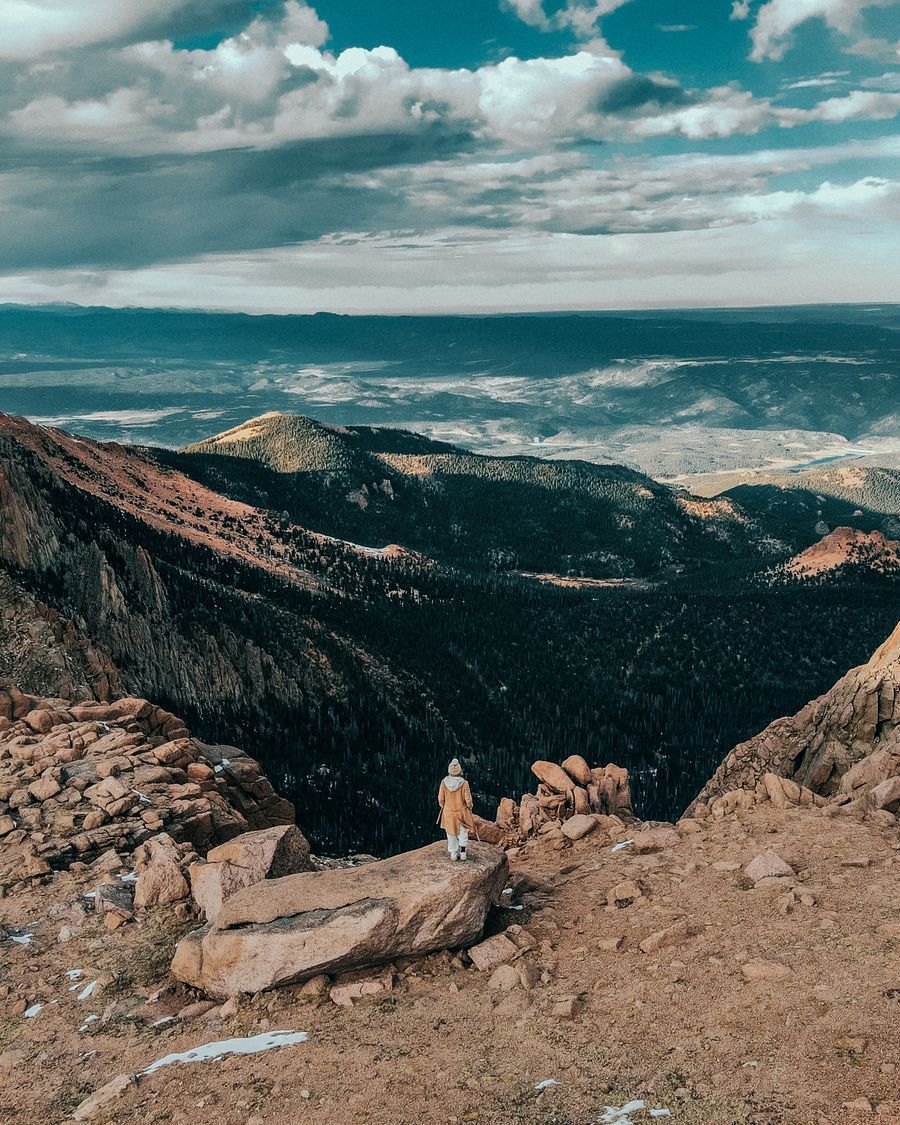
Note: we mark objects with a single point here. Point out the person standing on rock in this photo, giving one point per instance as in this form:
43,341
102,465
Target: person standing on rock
455,799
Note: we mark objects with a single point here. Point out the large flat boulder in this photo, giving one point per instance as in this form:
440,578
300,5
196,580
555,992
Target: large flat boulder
282,931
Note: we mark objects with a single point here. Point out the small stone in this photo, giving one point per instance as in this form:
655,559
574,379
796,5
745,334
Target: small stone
565,1008
491,952
625,893
768,865
578,826
678,932
95,1104
315,988
503,978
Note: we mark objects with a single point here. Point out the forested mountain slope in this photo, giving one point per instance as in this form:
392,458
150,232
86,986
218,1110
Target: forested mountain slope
354,677
374,486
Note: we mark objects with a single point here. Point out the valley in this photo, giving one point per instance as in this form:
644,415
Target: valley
243,583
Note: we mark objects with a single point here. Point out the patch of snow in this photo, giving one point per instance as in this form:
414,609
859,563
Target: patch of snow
90,894
87,990
141,796
21,939
546,1083
619,847
218,769
131,877
507,890
621,1115
74,974
213,1052
88,1020
161,1022
31,1012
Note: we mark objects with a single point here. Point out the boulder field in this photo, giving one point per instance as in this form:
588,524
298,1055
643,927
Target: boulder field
288,930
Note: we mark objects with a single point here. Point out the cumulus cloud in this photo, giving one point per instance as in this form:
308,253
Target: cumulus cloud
126,153
580,17
34,28
776,21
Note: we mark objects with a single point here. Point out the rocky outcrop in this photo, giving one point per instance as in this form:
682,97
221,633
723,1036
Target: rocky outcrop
570,792
80,778
846,546
288,930
843,745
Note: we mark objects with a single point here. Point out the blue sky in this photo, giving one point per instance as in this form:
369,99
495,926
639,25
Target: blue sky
411,155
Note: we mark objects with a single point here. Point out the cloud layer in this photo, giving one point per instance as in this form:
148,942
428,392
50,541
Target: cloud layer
126,152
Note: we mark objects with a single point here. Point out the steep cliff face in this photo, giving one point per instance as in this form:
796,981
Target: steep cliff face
43,653
844,742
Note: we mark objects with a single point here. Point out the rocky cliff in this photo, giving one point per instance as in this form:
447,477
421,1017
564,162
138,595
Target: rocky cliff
839,745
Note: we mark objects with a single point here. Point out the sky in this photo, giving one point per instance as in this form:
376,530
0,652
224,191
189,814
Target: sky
449,155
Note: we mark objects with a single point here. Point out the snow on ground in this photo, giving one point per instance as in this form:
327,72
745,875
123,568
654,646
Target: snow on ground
213,1052
621,1115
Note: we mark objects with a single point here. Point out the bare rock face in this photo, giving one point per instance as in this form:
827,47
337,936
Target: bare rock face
79,778
270,853
282,931
841,745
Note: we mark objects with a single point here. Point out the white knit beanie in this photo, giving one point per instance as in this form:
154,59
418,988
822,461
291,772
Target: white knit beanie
454,769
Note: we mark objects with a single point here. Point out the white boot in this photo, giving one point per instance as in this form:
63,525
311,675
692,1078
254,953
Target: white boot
462,854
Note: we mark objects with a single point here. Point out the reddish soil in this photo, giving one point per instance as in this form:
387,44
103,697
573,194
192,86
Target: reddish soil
680,1028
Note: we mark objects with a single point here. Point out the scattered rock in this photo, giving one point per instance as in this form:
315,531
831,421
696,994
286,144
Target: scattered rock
578,826
625,893
160,879
675,934
768,865
504,978
96,1104
493,951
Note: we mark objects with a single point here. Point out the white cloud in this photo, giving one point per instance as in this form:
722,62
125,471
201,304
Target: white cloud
581,17
773,252
776,20
35,28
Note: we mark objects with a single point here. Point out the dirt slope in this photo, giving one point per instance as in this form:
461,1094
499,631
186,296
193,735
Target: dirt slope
681,1028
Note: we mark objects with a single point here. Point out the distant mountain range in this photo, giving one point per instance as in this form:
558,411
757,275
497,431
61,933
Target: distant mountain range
245,585
668,394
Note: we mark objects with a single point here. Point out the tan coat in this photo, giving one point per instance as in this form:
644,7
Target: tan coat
456,806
